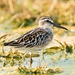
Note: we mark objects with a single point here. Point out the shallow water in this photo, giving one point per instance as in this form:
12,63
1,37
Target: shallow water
65,63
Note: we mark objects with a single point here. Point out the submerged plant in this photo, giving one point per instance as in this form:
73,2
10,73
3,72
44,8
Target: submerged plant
69,48
66,47
39,70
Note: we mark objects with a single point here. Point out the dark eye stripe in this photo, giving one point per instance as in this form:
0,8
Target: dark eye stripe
49,21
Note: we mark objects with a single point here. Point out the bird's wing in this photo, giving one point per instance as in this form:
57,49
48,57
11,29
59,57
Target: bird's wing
32,38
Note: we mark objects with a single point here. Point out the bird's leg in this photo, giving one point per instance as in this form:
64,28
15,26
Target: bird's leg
42,56
31,59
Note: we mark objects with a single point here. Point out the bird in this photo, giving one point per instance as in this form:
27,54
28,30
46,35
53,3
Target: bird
36,39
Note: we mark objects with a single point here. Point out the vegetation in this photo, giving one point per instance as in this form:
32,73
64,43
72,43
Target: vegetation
28,11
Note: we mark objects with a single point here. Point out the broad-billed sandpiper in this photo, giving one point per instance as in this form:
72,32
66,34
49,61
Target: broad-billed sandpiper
36,39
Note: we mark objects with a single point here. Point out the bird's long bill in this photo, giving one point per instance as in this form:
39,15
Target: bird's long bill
59,26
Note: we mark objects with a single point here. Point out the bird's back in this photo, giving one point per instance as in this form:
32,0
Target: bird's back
37,37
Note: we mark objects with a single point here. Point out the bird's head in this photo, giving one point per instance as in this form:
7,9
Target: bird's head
47,22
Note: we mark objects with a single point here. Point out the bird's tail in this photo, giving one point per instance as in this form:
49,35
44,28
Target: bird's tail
6,44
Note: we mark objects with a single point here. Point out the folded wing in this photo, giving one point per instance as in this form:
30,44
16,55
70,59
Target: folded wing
32,38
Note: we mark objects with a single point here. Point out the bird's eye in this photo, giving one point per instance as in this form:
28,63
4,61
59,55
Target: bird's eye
47,21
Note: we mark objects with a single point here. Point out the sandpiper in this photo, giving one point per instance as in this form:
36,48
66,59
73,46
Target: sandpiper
36,39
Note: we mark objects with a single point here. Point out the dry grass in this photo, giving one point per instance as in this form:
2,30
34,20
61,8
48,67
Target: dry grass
28,11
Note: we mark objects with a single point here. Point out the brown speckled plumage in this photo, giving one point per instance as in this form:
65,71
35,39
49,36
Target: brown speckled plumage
37,38
32,38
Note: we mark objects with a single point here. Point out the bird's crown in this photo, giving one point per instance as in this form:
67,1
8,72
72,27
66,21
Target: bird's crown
46,19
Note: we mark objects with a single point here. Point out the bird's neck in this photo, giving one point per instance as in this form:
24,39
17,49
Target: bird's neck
48,30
